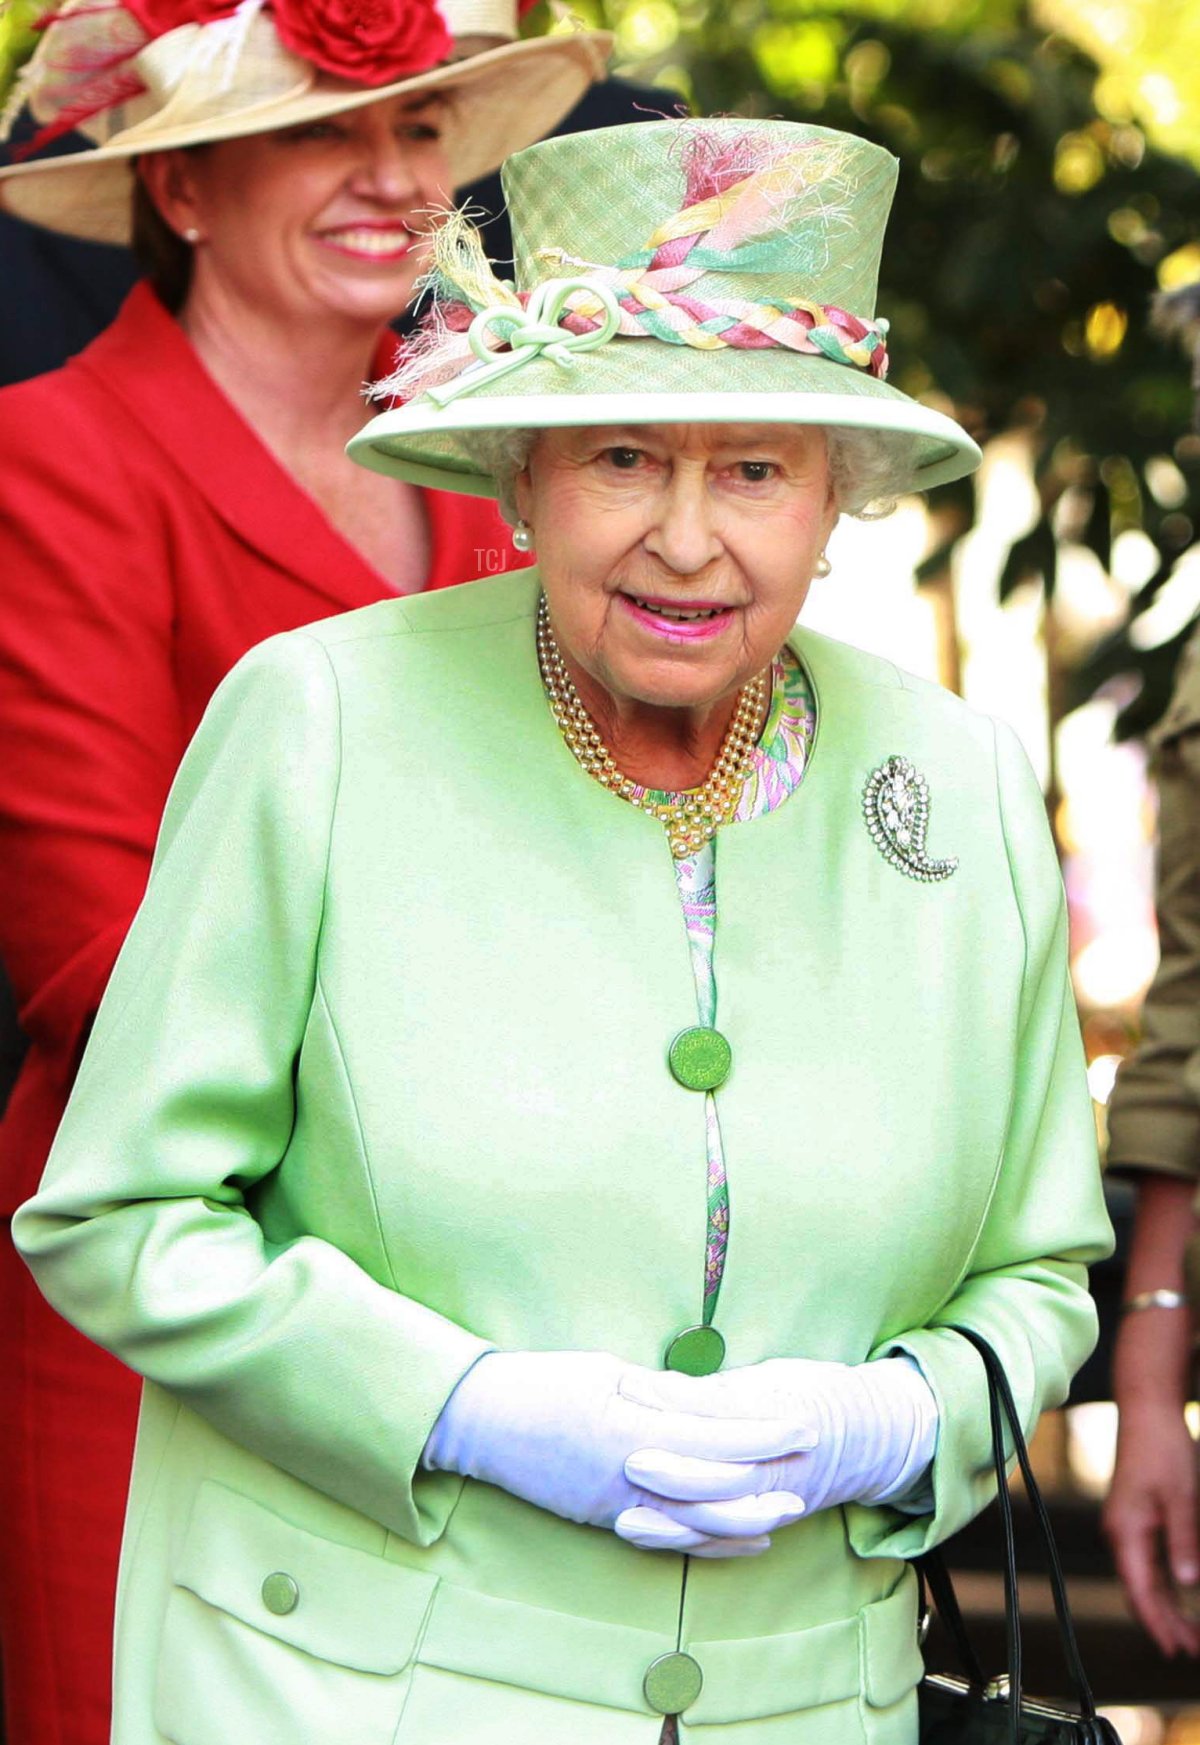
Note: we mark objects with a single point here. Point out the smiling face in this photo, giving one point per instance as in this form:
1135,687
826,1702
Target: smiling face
329,218
676,557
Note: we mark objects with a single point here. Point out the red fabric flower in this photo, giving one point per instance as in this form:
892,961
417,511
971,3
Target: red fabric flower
371,42
156,17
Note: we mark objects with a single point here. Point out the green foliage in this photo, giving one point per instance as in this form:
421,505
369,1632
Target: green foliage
18,39
1023,248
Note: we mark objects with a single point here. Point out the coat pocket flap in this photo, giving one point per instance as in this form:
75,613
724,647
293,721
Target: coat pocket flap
332,1601
581,1659
749,1679
874,1654
892,1662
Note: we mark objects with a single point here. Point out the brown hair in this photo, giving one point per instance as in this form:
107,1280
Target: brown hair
163,256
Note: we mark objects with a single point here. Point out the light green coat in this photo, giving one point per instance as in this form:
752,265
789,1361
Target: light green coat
381,1079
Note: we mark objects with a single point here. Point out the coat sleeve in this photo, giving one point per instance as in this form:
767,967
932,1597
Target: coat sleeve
1154,1114
88,702
1025,1285
141,1233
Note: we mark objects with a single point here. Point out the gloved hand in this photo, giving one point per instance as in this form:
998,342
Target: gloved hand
557,1427
873,1433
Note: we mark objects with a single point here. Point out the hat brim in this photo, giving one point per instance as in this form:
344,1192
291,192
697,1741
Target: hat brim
517,94
430,445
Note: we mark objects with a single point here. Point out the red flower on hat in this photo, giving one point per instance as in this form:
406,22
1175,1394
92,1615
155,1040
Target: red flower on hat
85,61
156,17
369,41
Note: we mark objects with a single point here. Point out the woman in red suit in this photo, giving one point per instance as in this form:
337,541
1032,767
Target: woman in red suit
172,496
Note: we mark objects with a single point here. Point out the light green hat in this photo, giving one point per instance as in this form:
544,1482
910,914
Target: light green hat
692,271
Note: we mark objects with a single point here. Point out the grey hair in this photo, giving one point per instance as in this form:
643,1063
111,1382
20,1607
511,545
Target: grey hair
502,454
869,468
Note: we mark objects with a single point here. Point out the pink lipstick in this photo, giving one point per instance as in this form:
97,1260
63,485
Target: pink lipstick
677,620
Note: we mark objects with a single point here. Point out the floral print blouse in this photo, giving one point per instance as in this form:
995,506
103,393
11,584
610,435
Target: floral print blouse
777,769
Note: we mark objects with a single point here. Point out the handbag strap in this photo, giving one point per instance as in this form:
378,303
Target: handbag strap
1001,1393
1012,1598
1001,1407
932,1572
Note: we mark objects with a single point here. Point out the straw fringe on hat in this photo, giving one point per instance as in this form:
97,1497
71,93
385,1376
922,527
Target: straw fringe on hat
700,271
96,68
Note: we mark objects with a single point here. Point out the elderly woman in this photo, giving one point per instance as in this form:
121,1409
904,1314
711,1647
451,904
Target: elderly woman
587,1045
173,496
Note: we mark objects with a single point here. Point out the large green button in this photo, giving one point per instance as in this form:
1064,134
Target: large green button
696,1351
700,1058
280,1594
672,1683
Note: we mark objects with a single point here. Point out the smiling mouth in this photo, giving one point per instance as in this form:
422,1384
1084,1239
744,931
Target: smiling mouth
370,240
678,614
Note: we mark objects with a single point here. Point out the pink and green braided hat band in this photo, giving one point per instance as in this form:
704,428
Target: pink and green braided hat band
654,304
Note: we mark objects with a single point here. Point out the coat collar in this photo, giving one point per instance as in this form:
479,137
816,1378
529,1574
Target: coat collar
864,712
145,361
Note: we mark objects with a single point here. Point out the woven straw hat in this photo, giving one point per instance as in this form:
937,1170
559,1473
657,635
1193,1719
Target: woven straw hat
700,271
231,76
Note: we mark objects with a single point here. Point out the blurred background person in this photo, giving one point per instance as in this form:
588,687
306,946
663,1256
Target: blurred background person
277,171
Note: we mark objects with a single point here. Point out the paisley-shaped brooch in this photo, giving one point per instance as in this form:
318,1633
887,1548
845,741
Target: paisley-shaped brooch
896,808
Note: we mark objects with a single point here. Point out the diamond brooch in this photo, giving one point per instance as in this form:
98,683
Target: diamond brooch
896,808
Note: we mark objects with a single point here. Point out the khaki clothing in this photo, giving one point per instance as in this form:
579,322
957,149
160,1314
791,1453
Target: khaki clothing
1154,1115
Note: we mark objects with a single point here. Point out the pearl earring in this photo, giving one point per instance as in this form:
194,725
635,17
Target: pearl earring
822,566
192,235
522,535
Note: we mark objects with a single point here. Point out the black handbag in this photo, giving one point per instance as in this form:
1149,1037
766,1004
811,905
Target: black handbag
970,1709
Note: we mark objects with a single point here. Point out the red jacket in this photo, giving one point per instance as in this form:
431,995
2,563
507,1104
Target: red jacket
147,540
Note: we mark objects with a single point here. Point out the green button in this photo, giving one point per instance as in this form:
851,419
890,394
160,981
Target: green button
696,1351
700,1058
672,1683
280,1594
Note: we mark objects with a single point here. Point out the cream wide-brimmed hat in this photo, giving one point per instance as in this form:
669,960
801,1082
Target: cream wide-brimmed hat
228,71
691,271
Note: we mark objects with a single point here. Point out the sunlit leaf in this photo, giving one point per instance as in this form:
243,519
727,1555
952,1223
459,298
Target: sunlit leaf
18,39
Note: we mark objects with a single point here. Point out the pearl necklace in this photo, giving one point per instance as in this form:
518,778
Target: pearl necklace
693,816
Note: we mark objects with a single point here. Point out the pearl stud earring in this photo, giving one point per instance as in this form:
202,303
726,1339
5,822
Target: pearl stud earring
522,535
192,235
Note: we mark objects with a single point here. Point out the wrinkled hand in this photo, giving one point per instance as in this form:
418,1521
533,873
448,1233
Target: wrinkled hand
872,1430
1150,1520
557,1428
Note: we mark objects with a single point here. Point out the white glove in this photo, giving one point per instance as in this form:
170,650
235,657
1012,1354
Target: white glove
557,1427
873,1429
